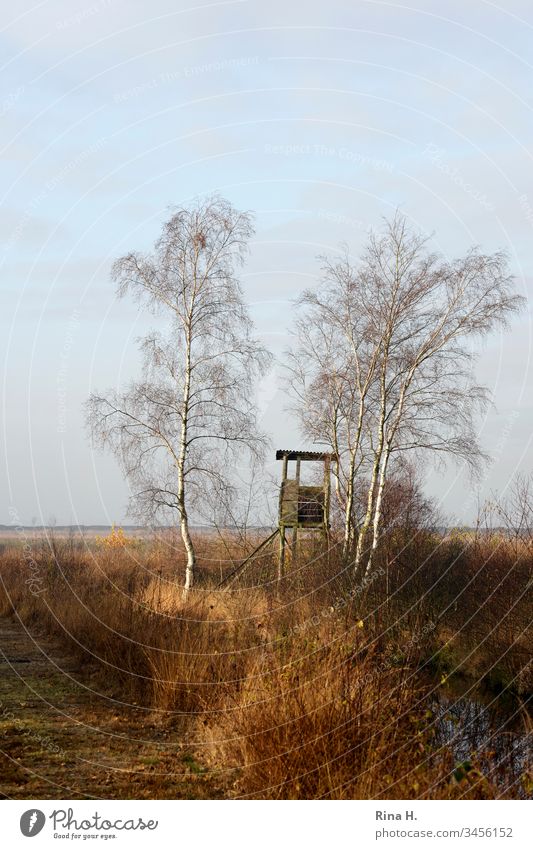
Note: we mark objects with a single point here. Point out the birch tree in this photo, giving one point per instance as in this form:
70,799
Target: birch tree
181,428
332,370
417,319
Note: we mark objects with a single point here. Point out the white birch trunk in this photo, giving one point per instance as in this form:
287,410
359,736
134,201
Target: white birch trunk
348,517
373,480
184,520
376,525
368,516
349,524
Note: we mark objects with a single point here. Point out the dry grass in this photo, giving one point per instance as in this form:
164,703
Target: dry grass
289,691
324,726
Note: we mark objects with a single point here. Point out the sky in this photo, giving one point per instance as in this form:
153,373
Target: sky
320,117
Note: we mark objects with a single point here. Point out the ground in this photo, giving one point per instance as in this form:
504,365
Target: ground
61,739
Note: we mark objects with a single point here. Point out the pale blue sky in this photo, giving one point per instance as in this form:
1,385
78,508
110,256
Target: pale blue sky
320,116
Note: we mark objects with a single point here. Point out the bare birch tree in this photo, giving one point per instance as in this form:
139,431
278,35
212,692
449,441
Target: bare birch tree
414,320
332,371
179,430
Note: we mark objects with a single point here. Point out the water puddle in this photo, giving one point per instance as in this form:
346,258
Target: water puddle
477,725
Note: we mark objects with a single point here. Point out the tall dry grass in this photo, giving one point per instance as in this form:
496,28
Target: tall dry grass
301,690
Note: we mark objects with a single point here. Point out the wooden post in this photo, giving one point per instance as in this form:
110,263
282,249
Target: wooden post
241,567
281,560
294,548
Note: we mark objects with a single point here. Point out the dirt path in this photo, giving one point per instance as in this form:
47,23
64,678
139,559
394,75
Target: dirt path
61,739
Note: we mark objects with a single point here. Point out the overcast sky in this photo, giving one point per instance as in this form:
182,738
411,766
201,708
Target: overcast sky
319,116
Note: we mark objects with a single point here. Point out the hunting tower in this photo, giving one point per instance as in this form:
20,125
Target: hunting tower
305,507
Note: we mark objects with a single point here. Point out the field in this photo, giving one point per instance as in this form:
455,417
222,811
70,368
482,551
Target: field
412,683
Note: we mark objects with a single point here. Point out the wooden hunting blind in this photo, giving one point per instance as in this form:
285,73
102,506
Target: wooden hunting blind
302,507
